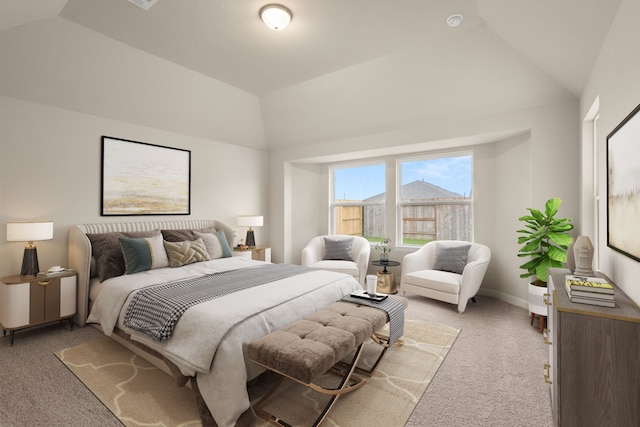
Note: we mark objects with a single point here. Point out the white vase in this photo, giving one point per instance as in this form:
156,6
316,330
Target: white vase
536,300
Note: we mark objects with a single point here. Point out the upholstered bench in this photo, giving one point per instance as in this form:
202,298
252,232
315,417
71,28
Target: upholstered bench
306,349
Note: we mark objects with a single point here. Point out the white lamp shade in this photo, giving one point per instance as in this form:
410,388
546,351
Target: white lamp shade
250,221
275,16
29,231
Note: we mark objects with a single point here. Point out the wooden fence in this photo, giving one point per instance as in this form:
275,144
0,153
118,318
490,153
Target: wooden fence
420,222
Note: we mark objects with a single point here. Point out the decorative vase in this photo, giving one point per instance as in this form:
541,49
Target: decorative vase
384,256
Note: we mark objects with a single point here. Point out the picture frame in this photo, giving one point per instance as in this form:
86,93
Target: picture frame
623,186
139,178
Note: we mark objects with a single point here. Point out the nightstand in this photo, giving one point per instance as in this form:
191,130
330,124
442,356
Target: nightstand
32,301
258,253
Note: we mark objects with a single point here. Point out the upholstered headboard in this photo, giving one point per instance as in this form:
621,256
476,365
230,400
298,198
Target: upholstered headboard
80,249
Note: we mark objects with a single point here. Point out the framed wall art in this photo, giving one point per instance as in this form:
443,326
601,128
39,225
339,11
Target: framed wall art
623,186
144,179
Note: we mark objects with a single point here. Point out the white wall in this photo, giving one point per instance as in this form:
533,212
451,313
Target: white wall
50,168
614,82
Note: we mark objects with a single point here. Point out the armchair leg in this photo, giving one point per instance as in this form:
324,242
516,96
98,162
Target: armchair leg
473,299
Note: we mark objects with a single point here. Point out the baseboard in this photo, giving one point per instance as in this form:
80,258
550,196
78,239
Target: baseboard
509,299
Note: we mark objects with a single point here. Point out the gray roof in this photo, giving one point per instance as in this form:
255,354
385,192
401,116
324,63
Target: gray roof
421,190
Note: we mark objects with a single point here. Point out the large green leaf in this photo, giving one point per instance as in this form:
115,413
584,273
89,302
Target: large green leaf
552,206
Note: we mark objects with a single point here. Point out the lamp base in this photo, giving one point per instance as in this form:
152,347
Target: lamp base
250,240
30,262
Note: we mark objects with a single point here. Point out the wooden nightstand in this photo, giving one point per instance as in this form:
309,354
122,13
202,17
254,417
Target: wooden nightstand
259,253
32,301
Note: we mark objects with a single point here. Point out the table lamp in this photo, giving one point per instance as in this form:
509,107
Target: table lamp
29,232
250,221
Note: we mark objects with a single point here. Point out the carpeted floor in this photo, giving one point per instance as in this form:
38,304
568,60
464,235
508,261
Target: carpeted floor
141,395
491,377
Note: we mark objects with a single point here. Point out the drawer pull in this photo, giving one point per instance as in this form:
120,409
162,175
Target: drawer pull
547,378
545,298
545,336
43,282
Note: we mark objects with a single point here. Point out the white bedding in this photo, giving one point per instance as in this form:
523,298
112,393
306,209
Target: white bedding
210,337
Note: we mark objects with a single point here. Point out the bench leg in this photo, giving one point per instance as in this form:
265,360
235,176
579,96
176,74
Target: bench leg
344,387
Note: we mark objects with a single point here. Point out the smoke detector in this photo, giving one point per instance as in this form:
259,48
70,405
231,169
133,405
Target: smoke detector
452,21
143,4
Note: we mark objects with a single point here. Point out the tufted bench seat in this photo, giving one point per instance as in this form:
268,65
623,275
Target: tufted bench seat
309,347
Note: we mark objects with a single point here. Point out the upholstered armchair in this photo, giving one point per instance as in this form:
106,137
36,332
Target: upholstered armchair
446,270
340,253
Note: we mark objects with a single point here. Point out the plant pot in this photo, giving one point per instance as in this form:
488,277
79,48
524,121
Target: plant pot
536,300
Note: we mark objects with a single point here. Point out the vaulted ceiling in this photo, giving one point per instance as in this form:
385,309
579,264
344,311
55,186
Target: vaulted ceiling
225,39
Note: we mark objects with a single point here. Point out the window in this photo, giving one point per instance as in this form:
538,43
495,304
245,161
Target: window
435,199
358,202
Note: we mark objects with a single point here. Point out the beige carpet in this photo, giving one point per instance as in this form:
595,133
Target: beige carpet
139,394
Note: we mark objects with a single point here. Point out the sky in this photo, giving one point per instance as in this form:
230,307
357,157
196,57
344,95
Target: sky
360,182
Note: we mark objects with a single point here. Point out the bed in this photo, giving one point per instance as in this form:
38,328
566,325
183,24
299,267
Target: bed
207,344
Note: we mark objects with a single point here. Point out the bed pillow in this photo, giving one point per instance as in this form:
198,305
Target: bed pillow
143,253
106,250
186,252
451,258
338,248
183,235
216,244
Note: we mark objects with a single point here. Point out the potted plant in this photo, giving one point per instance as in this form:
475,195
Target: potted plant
545,240
384,247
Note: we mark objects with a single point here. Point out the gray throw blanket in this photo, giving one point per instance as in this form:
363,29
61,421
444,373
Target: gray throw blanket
155,310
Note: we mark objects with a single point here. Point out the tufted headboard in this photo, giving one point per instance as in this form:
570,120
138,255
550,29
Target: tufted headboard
80,249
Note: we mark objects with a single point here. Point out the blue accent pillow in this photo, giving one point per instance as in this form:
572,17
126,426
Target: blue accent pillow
451,258
143,253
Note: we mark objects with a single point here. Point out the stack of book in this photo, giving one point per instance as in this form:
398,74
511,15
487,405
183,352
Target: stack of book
590,290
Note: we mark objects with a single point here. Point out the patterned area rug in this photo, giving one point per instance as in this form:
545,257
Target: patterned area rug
140,394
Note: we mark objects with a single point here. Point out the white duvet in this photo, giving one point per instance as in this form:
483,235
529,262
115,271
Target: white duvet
209,339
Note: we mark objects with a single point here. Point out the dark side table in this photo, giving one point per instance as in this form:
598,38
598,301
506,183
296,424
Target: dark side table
386,279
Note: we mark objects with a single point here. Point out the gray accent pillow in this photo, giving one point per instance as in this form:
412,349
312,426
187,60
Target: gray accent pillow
451,258
106,250
182,235
338,248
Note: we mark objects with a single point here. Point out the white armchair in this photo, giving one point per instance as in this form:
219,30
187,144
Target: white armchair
356,264
424,272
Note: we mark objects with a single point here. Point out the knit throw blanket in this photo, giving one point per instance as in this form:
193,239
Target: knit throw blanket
155,310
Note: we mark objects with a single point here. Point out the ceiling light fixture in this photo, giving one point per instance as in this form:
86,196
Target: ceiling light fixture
454,20
275,16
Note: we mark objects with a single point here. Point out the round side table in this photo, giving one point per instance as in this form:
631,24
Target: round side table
386,279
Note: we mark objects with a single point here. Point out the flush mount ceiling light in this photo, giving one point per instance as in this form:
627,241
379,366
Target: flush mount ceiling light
275,16
454,20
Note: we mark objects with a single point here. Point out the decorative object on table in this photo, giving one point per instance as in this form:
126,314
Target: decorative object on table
29,232
545,241
372,283
384,247
623,186
590,290
144,179
250,221
583,256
